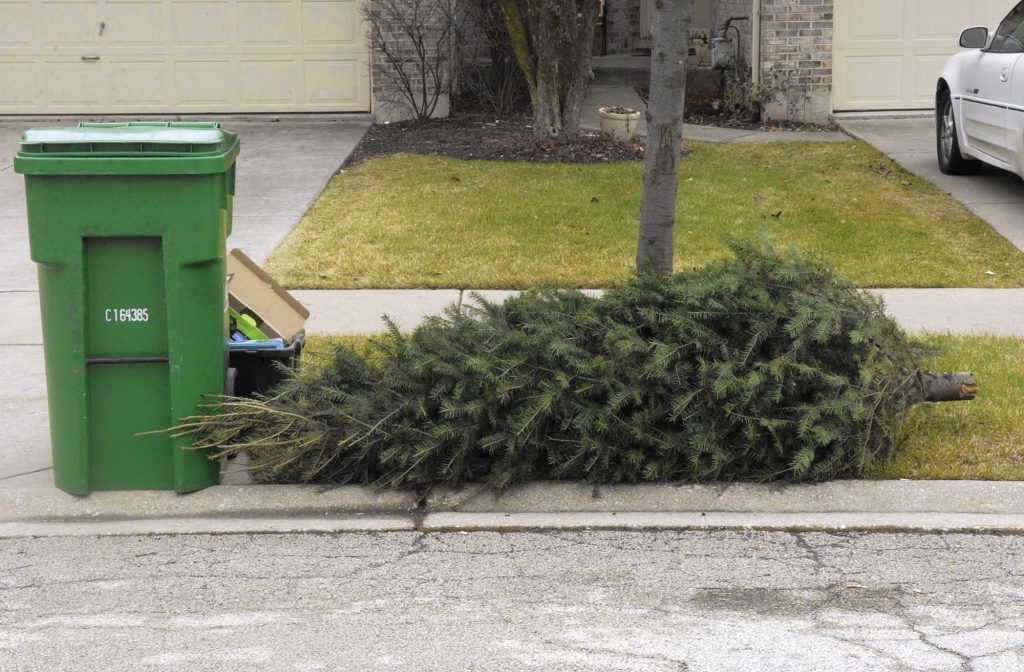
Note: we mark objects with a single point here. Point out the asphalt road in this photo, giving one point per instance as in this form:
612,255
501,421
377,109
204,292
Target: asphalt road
594,601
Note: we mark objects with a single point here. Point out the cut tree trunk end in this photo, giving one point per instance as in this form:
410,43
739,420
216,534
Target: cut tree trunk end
961,386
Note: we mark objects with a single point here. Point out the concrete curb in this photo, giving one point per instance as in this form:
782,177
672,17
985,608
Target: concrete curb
908,506
49,505
861,497
176,526
692,521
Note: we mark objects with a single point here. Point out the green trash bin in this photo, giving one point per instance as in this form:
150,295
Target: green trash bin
127,223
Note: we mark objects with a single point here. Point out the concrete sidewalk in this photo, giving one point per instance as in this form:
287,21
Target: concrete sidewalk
361,311
956,311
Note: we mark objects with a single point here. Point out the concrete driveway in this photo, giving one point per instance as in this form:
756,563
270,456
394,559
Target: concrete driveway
994,195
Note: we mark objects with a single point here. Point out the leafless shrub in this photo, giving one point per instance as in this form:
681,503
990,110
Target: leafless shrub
413,43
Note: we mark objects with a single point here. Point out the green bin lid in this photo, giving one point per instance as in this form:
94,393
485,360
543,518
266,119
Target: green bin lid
130,148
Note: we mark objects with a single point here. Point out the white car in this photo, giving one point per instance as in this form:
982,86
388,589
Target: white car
979,101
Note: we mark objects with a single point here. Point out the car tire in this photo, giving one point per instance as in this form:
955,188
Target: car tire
951,161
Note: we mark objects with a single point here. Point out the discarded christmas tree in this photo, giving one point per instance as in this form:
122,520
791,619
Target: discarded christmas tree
765,367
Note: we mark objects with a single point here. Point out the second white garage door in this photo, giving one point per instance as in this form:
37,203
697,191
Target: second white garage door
182,56
888,53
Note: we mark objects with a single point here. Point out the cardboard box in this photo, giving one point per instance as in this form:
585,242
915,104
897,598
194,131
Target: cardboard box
253,292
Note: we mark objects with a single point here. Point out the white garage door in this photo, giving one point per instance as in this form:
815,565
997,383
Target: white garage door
182,56
888,53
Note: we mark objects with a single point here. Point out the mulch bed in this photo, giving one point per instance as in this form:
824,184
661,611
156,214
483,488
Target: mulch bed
726,121
477,137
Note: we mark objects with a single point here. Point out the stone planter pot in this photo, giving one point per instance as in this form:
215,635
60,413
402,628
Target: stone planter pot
619,122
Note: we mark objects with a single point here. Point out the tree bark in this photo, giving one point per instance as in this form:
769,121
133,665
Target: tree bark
947,386
552,40
670,30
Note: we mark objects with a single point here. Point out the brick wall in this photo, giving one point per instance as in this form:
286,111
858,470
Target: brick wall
616,19
796,52
622,18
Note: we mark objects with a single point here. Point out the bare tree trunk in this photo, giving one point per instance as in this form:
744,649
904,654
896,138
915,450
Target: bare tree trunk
552,40
577,52
670,30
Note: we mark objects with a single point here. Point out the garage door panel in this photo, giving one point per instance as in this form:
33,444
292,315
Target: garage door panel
330,23
170,56
871,79
331,81
18,85
940,20
201,23
270,23
267,83
138,84
206,83
16,23
68,25
875,21
136,24
73,84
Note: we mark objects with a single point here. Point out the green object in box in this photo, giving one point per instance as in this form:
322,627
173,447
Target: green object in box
127,223
246,324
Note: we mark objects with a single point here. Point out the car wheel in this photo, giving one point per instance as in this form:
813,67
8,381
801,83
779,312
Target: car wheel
951,161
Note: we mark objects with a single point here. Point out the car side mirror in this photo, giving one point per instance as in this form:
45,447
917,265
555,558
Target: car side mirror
974,38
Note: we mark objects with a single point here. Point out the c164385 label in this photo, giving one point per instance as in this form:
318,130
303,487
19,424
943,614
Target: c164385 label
126,315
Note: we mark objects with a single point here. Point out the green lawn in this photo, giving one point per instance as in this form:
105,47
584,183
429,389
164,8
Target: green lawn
981,439
427,221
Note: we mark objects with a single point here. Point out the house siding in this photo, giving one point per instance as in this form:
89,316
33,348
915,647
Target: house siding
796,56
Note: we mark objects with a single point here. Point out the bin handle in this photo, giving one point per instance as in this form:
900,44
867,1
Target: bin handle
127,360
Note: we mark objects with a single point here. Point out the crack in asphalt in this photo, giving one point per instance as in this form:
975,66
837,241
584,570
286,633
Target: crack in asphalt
801,541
